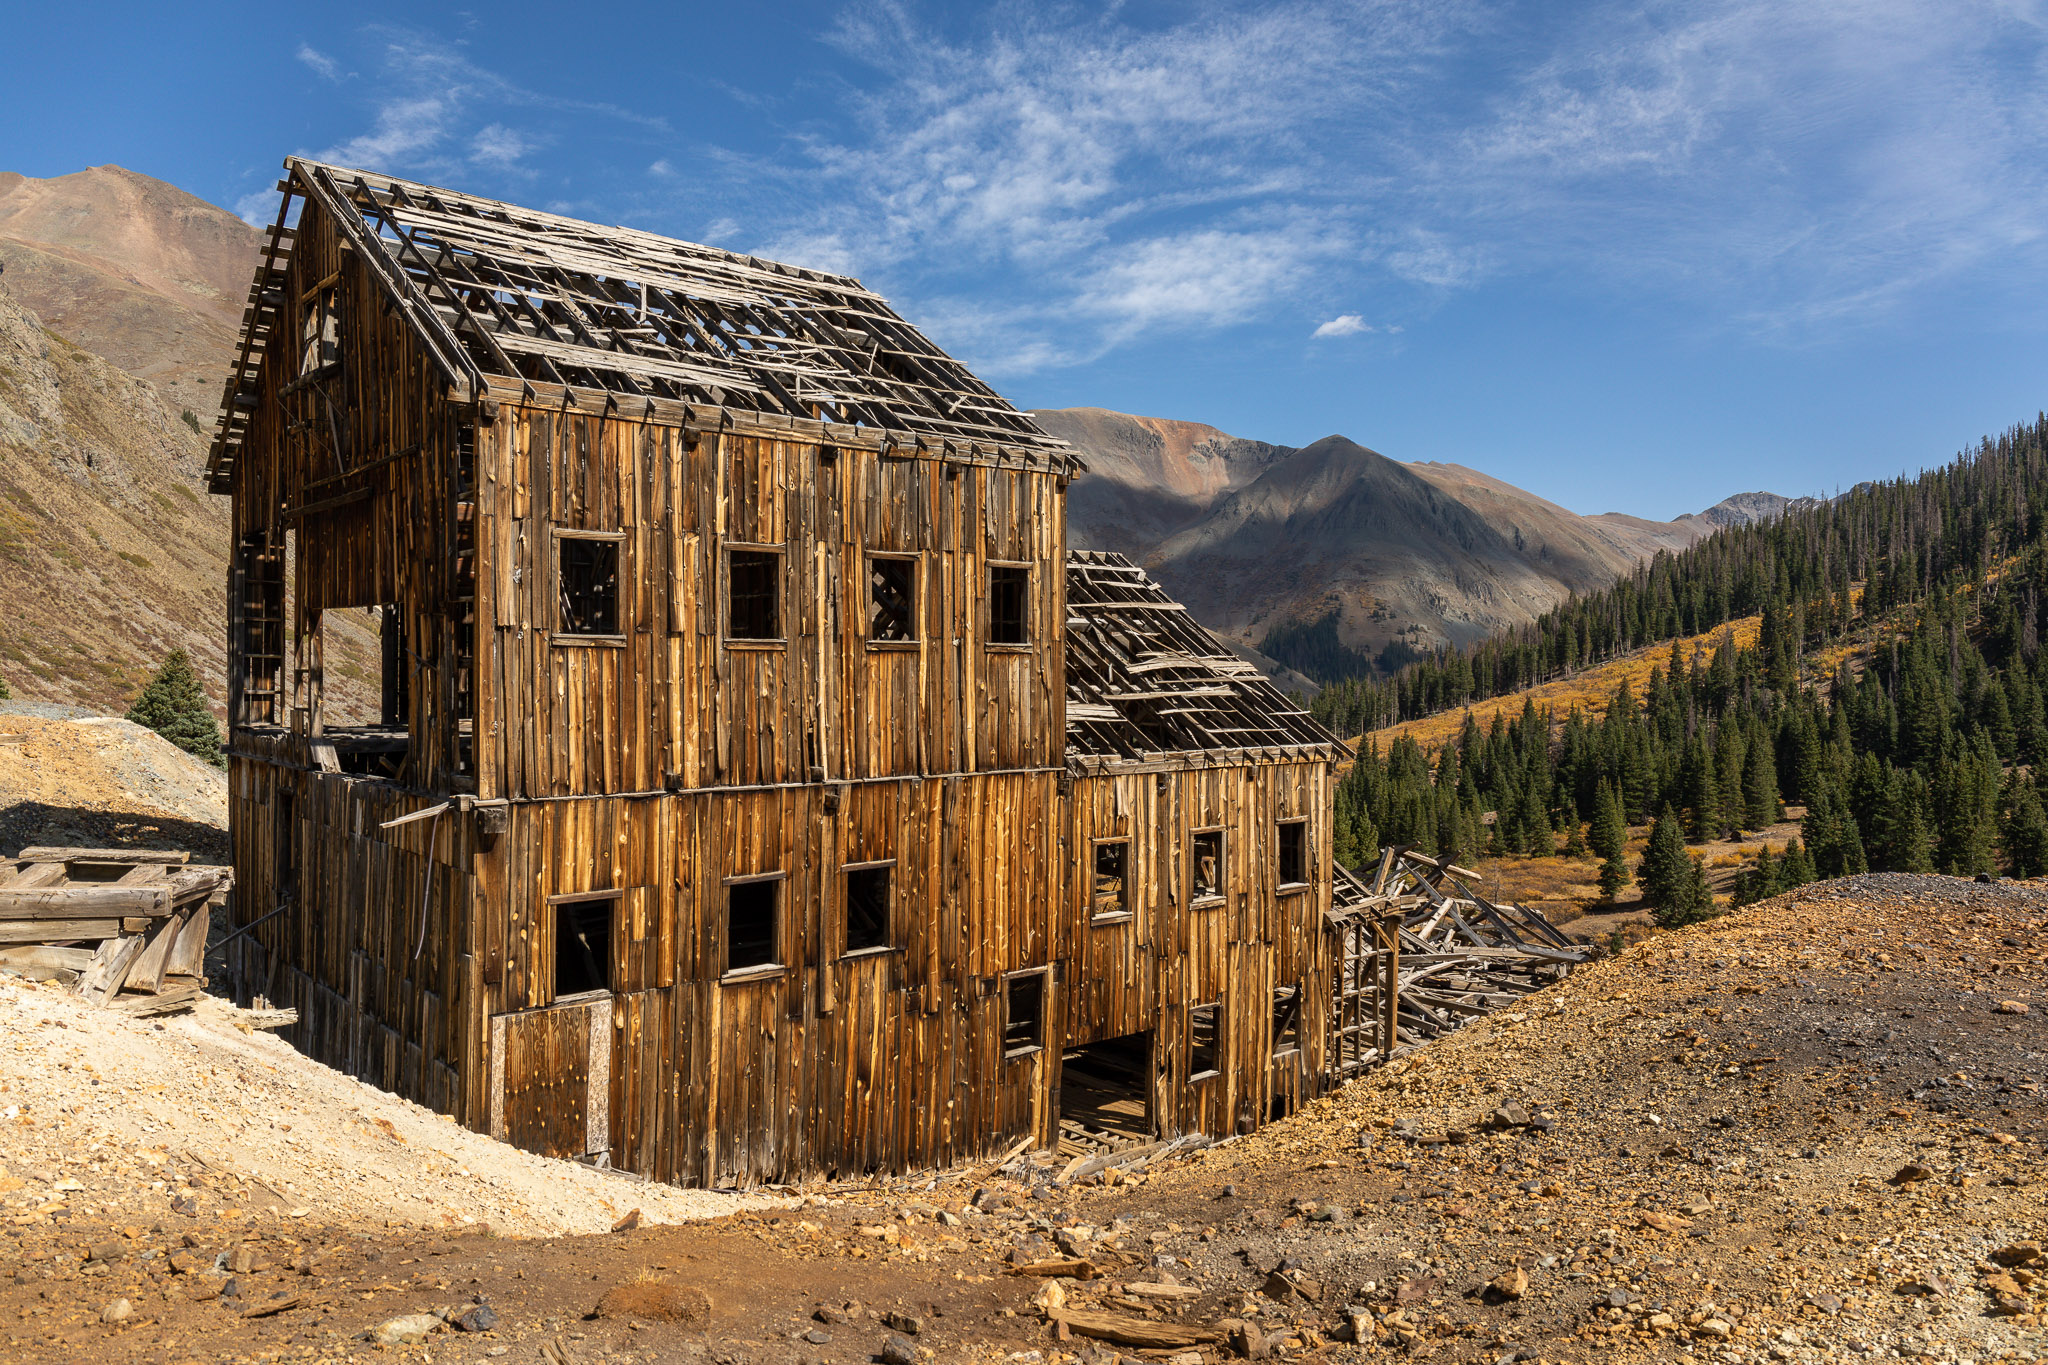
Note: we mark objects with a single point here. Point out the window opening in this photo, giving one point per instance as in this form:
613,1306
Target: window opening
1112,877
754,608
1024,1014
1203,1040
1009,605
1293,852
589,579
750,917
867,908
583,946
1206,880
1286,1020
320,331
892,599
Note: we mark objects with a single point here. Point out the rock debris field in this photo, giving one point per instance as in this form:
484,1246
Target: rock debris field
1810,1131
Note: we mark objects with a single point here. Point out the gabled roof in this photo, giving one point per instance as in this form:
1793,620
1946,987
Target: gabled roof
501,293
1145,682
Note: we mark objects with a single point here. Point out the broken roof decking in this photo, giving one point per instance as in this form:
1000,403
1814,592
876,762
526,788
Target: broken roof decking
1146,683
506,295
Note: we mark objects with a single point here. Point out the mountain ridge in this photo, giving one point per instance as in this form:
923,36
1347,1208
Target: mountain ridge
1373,557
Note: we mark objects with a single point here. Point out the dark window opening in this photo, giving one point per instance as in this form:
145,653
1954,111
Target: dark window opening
1024,1014
1009,605
1204,1041
1293,852
754,609
1206,879
1112,877
284,811
589,586
867,908
892,599
750,913
583,946
1286,1019
1106,1087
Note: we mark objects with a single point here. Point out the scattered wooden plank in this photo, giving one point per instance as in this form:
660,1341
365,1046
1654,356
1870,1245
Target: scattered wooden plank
166,856
1142,1333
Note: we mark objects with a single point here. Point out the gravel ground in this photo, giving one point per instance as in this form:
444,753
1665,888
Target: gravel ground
1811,1131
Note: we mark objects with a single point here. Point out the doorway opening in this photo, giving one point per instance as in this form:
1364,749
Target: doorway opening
1106,1095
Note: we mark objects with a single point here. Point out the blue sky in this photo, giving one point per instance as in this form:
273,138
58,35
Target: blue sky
1631,257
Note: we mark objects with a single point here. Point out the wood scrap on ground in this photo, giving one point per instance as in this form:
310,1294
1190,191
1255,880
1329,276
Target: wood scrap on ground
103,921
1420,953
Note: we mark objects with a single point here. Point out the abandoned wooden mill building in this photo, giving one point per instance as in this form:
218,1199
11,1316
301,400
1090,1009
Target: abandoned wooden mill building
762,788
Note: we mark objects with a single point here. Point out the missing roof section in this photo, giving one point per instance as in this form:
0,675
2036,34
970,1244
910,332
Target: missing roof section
1143,679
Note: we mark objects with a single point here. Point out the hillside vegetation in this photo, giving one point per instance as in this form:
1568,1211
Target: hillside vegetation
1875,659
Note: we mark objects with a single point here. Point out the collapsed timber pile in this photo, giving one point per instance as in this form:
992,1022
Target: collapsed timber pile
1449,958
104,921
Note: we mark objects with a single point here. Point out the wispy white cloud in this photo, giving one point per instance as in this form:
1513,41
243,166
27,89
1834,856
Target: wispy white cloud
258,208
1343,325
1106,178
500,147
322,65
405,129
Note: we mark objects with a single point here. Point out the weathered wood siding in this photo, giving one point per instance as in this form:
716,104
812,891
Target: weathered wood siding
373,946
360,467
670,701
1148,970
836,1062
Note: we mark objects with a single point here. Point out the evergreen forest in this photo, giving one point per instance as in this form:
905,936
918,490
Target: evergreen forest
1895,690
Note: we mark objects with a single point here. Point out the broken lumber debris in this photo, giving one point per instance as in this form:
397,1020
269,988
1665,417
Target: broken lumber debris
1421,954
106,920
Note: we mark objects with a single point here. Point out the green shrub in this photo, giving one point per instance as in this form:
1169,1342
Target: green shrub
174,705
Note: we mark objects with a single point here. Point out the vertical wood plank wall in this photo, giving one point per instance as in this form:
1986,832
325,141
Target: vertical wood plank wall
1148,972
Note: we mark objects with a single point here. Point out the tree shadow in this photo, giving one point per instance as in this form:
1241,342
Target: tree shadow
25,824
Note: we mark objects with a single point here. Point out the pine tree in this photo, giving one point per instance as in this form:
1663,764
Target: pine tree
1760,807
2025,836
174,706
1691,902
1912,846
1666,878
1795,869
1614,875
4,693
1758,882
1610,832
1574,832
1702,794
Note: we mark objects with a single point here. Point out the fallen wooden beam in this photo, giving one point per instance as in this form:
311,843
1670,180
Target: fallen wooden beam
1119,1330
103,855
62,930
79,902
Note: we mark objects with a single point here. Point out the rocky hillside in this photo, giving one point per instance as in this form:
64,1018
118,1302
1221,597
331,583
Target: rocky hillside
118,306
1338,543
111,552
132,269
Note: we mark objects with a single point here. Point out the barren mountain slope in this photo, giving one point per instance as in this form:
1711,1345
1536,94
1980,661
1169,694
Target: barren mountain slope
1573,546
111,553
1148,476
132,269
1429,554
